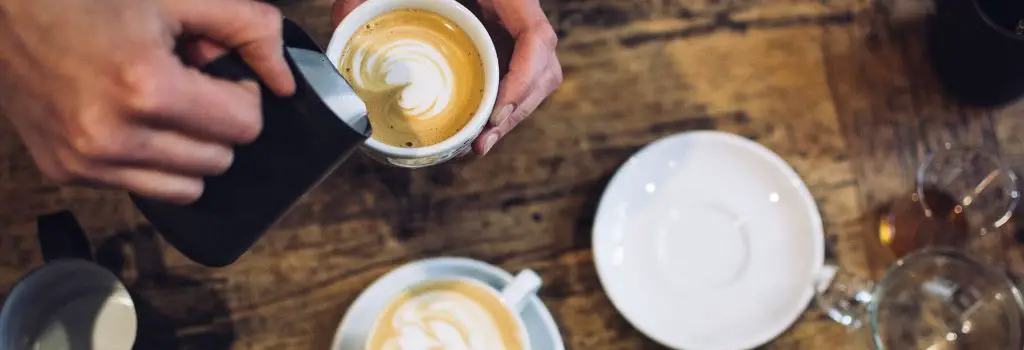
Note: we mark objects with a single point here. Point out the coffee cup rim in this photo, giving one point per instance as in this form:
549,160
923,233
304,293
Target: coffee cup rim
476,282
523,336
476,31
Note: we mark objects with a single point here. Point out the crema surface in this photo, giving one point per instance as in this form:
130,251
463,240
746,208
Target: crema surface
419,74
447,315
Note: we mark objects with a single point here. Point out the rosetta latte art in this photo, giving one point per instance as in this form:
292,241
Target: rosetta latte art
418,70
444,320
446,315
419,74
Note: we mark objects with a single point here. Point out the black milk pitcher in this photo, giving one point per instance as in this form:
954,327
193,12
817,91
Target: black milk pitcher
977,50
304,138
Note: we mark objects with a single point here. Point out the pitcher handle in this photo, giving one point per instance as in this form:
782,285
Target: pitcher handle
60,237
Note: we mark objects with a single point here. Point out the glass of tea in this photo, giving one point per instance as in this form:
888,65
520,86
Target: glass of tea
962,197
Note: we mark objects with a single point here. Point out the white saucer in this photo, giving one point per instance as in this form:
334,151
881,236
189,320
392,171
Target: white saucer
359,318
706,240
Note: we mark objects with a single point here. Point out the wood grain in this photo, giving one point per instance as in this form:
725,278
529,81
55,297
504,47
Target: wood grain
841,89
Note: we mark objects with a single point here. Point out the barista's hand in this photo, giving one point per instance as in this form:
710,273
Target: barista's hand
533,71
100,98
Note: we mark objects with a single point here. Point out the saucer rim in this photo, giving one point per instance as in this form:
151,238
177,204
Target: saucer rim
813,214
547,319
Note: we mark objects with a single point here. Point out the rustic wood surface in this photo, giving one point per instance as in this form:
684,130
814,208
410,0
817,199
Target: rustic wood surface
838,88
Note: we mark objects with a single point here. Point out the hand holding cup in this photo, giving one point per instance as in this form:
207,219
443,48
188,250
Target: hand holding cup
533,72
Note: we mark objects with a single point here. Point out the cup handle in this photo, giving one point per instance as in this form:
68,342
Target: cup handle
518,293
60,237
824,278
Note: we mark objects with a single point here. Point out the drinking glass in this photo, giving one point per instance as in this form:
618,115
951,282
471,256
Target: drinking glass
962,197
936,298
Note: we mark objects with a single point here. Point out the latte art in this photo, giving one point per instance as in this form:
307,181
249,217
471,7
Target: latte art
443,320
418,69
446,315
419,75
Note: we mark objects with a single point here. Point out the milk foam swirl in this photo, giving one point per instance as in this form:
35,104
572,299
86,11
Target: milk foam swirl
444,320
419,74
416,67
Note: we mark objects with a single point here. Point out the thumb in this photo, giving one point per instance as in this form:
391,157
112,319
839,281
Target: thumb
252,28
342,8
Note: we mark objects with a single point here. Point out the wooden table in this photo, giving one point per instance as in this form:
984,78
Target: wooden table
839,88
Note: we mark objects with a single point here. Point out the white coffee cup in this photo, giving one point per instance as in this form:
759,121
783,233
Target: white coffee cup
462,140
358,325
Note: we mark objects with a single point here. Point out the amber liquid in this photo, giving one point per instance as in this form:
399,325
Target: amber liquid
906,226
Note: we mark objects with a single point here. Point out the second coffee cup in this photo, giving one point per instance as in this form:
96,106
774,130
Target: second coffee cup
428,72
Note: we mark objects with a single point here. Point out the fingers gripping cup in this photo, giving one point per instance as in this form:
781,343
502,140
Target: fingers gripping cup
428,72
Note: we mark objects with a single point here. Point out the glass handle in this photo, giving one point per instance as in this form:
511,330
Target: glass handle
843,296
1018,293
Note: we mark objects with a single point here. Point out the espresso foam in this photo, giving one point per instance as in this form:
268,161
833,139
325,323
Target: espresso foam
419,68
445,315
419,74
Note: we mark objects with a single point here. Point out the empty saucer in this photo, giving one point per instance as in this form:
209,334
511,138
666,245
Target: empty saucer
707,240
